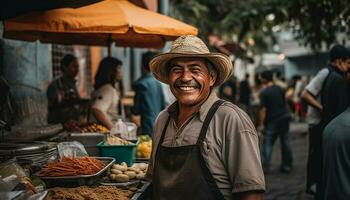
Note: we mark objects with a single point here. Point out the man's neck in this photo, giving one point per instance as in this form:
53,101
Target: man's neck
185,112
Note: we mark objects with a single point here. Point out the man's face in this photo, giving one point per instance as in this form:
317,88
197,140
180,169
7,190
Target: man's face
343,65
190,81
72,69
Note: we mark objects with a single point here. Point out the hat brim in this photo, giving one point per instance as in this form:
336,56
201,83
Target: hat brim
221,62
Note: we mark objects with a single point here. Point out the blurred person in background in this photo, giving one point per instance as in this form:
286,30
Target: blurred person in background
228,90
149,98
108,92
335,181
274,122
280,81
62,93
334,94
311,95
245,94
298,109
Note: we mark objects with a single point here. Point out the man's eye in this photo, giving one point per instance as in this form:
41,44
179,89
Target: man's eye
195,70
175,69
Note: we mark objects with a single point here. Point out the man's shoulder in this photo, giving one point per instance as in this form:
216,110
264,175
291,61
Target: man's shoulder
231,114
228,108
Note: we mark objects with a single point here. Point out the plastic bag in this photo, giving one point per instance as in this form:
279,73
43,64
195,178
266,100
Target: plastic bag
71,149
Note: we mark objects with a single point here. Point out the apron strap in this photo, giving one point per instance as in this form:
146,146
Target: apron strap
207,120
163,132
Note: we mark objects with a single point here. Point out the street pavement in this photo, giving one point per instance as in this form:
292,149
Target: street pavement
289,186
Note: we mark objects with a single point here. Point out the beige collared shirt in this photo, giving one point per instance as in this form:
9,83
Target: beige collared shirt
231,146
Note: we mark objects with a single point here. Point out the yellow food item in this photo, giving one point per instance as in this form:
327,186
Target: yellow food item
130,174
92,128
144,149
122,178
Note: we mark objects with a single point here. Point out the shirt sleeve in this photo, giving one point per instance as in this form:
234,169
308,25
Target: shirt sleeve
104,98
242,155
315,85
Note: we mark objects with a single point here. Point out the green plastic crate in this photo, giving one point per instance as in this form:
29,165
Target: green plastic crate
121,153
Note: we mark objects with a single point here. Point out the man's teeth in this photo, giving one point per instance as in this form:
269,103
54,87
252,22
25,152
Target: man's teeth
187,88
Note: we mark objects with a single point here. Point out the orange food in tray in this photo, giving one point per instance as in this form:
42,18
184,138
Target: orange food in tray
68,166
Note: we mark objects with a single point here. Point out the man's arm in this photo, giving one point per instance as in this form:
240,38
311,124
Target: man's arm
311,100
262,116
102,118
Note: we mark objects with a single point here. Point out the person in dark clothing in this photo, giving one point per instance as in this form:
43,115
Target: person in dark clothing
334,98
274,122
228,90
244,94
62,93
149,99
335,182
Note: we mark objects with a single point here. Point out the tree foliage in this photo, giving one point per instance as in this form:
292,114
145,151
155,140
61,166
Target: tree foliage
314,22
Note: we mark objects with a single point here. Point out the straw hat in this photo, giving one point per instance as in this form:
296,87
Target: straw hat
191,46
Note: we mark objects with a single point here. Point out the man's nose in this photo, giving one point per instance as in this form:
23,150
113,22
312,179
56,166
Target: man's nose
187,75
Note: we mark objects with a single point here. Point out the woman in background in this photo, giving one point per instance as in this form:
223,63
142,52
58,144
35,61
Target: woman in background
108,92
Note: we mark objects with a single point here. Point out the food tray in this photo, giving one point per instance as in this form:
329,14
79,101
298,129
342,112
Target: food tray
143,191
75,181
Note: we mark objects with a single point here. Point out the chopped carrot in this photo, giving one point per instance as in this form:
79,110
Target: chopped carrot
69,166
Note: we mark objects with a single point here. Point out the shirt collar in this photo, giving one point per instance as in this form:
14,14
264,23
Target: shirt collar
173,109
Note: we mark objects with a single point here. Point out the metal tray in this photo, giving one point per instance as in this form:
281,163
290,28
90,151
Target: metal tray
75,181
142,193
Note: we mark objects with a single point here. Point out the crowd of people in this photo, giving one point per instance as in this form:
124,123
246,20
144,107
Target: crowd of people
212,125
106,105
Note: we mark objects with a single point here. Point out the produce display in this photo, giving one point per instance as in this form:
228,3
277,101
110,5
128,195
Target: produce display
144,148
74,126
84,192
92,128
123,173
68,166
114,140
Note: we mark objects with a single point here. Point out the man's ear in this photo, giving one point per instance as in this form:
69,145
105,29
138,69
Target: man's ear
213,77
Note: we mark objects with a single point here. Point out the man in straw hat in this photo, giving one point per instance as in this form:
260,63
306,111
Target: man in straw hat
204,147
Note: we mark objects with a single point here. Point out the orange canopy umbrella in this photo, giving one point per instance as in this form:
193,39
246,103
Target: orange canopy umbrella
98,24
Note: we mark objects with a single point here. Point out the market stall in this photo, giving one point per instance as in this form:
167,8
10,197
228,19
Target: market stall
66,171
95,162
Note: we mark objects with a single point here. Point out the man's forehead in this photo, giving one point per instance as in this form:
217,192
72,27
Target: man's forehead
187,60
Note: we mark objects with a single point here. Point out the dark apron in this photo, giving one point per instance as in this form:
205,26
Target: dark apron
181,173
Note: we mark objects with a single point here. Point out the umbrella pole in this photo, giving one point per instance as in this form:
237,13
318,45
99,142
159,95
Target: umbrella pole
109,44
109,50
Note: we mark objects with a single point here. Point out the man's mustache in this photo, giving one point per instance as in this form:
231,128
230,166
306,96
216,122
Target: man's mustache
191,83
